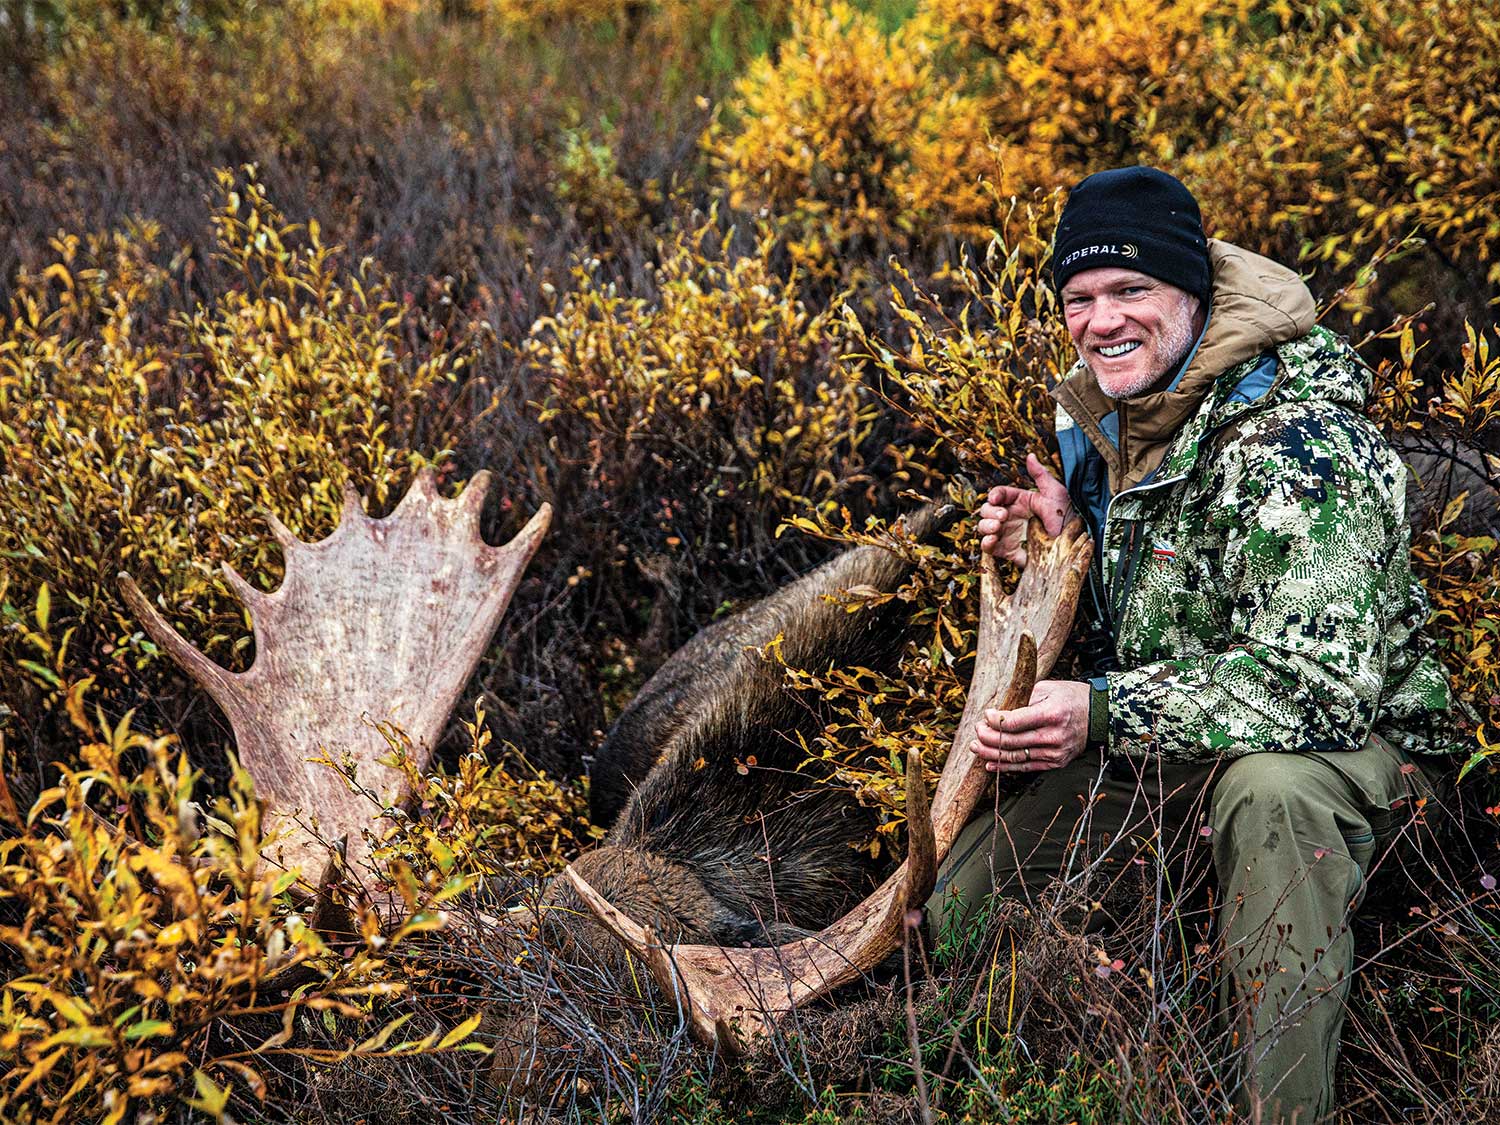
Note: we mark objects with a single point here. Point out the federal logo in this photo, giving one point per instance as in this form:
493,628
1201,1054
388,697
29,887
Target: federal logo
1117,249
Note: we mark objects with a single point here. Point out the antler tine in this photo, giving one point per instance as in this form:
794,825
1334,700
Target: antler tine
470,502
506,564
219,682
921,844
644,942
529,537
736,995
423,491
283,535
353,511
1023,681
255,600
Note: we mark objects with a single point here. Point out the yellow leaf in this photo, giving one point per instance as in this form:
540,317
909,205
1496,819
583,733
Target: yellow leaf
89,1036
1452,509
251,1076
174,934
380,1038
74,704
40,1070
211,1099
459,1033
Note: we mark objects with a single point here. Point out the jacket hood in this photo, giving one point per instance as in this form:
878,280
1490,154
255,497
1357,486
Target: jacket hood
1257,305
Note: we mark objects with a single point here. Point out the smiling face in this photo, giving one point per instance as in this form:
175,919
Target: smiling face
1129,328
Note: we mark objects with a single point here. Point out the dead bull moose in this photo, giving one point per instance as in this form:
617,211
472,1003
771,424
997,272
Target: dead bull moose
741,894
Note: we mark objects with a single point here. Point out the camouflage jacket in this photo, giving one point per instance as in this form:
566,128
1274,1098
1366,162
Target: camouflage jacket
1257,584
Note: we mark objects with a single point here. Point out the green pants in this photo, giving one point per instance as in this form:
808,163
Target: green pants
1292,837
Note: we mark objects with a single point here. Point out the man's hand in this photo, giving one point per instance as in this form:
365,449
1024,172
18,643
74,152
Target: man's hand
1003,516
1047,733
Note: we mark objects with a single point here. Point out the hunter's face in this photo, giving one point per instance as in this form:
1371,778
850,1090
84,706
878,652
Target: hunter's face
1129,328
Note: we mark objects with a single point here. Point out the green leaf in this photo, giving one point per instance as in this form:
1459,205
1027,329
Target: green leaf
284,881
1475,759
124,1017
41,671
145,1029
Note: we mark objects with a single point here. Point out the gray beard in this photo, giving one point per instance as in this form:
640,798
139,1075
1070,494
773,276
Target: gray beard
1179,341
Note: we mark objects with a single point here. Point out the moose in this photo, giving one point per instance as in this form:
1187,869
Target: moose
737,887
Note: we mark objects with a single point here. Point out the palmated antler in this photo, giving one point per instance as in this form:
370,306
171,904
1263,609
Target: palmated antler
381,622
735,996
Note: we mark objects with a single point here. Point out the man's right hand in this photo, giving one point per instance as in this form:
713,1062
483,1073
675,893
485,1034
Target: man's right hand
1003,515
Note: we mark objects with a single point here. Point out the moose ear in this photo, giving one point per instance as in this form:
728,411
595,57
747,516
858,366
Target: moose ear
736,996
378,627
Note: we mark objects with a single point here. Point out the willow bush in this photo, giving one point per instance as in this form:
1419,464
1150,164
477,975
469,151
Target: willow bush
1093,84
718,387
151,956
1313,132
1367,125
159,448
858,137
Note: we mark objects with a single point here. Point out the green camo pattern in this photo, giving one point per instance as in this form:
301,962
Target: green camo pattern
1265,593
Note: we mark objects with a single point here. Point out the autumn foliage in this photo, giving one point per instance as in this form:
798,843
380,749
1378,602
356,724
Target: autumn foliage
730,285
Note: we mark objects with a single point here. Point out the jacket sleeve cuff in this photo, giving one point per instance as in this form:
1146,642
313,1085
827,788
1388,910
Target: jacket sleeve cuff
1098,711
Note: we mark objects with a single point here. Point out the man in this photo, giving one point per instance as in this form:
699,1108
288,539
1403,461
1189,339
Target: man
1259,668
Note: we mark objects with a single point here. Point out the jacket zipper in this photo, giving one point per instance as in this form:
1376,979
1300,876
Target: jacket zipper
1126,576
1127,581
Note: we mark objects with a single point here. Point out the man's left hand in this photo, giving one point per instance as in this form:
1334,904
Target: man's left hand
1048,732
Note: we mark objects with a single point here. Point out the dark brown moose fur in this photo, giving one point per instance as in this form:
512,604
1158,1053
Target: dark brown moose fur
1440,469
709,847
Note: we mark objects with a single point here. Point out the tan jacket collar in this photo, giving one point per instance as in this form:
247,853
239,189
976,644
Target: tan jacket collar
1256,305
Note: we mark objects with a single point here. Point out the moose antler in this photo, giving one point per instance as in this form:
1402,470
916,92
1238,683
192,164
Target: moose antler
381,622
734,997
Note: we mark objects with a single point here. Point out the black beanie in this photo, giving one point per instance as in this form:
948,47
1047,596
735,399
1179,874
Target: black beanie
1138,218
